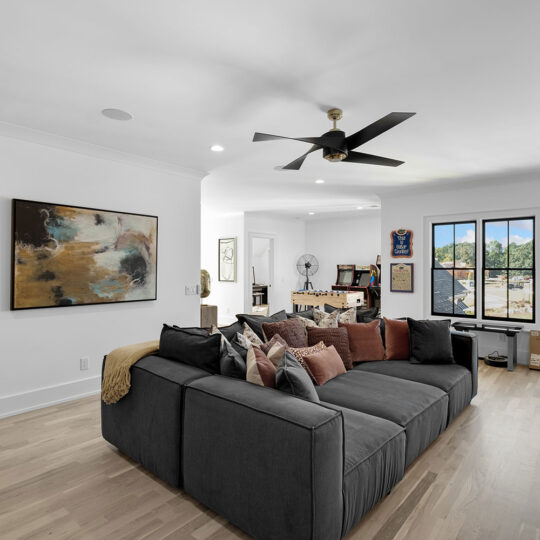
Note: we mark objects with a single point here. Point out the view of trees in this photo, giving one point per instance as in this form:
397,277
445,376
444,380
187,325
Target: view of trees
465,254
520,255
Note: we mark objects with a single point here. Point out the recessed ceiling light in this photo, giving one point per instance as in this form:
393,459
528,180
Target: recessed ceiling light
359,207
117,114
319,181
217,148
311,213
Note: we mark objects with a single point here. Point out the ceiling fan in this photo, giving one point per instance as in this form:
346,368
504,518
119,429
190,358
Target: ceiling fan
337,147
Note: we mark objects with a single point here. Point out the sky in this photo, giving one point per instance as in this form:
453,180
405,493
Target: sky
520,232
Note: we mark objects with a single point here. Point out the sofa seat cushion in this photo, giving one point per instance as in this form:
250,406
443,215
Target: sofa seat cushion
374,462
454,379
421,409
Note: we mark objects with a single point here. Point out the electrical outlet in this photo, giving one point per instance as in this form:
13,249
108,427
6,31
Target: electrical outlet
83,363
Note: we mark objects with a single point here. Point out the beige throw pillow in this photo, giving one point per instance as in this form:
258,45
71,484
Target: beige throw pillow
348,317
326,320
252,336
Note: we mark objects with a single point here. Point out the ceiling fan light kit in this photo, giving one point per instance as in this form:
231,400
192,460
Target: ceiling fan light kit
336,146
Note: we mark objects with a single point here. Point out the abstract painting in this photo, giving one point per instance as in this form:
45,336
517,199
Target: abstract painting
71,255
227,259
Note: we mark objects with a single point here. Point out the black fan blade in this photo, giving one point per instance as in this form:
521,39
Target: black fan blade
297,163
360,157
373,130
321,141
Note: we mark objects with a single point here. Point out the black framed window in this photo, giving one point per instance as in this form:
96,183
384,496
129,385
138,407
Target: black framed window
508,288
453,269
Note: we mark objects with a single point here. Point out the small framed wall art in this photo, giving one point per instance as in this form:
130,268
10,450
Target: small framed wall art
64,255
402,277
402,243
227,259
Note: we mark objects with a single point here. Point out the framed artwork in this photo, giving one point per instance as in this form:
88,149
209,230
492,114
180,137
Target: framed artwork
402,243
72,255
227,259
402,277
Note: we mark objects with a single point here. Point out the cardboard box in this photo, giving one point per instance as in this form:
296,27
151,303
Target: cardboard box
534,347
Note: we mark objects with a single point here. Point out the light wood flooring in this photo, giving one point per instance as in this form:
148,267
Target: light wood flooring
479,480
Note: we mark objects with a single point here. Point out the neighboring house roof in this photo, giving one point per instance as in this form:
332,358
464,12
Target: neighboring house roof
443,291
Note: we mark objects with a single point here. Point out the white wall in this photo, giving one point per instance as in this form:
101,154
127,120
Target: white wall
227,296
41,348
416,211
289,243
352,240
260,259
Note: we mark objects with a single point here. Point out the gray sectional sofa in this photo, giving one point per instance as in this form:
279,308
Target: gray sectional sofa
279,467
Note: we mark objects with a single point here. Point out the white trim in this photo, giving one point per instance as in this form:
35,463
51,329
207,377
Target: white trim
48,395
247,286
477,218
35,136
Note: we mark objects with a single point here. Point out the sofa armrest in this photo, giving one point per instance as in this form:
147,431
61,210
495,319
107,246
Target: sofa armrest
268,462
465,349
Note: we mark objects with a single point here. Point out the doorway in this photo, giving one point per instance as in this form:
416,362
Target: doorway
261,273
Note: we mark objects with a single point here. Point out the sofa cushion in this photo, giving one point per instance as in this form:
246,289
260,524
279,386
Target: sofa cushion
374,462
230,331
306,314
190,346
231,361
365,341
291,330
338,337
421,409
397,344
260,369
325,365
292,378
431,342
454,379
255,321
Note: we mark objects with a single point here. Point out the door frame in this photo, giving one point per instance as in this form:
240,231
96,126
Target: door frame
249,273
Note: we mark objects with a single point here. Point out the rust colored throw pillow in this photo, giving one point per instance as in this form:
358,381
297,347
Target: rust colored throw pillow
365,341
260,370
398,346
300,352
325,365
338,337
291,330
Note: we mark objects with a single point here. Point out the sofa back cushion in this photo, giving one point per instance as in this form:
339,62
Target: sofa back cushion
325,365
193,346
431,342
255,321
292,378
338,337
291,330
396,339
365,341
260,369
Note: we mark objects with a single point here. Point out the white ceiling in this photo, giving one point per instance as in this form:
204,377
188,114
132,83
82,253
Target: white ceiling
196,73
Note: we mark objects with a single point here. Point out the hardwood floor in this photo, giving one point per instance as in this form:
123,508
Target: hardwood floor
479,481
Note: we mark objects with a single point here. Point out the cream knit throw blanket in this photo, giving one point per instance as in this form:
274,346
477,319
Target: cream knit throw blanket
116,375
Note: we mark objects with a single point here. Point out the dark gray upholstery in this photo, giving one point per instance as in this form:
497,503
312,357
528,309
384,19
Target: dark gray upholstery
374,462
270,463
421,409
454,379
465,349
146,423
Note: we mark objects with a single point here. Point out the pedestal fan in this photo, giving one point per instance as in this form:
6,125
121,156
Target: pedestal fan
307,266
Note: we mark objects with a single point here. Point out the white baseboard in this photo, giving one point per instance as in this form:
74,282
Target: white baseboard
49,395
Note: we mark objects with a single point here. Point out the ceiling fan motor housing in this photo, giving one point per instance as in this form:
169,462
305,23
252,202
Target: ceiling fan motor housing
338,151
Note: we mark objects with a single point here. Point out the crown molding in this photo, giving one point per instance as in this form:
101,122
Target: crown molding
15,131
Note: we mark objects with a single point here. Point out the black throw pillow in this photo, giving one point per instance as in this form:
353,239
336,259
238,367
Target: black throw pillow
362,314
230,331
231,362
431,342
255,321
191,346
292,378
307,314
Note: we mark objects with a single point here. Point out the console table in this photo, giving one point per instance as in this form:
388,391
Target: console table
511,332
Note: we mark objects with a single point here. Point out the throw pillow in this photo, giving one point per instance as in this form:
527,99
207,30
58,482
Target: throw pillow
397,339
325,365
291,330
292,378
252,336
365,341
304,314
307,323
299,354
326,320
241,345
255,321
276,338
276,353
190,346
362,314
231,362
431,342
338,337
259,369
230,331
